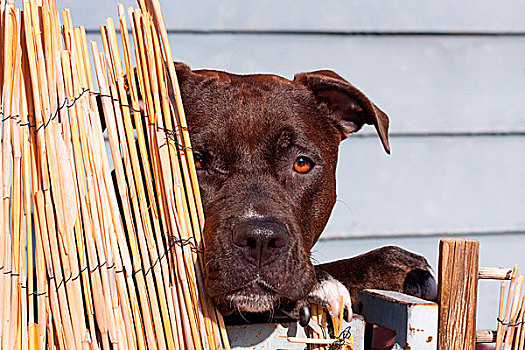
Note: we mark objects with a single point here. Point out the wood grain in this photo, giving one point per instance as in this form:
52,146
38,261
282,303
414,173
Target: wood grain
485,336
494,273
457,293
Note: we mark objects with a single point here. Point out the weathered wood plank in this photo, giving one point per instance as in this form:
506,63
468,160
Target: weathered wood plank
486,336
336,15
494,273
457,293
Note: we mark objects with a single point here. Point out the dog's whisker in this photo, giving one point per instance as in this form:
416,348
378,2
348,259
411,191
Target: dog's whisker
345,205
313,259
239,311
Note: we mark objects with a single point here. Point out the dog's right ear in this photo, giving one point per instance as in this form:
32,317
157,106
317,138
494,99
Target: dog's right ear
349,108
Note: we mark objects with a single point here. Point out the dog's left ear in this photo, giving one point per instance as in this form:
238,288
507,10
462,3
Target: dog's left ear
350,108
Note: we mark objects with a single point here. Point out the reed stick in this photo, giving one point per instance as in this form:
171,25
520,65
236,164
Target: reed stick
19,302
154,7
103,241
40,145
521,342
510,301
127,300
141,242
165,120
41,273
518,336
500,329
144,235
84,198
5,158
516,298
65,180
27,250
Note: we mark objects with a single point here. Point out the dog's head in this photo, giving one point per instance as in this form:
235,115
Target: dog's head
266,150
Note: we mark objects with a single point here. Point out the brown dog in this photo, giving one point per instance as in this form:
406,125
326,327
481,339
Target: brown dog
266,152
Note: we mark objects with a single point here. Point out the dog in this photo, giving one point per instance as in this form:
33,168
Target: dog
265,149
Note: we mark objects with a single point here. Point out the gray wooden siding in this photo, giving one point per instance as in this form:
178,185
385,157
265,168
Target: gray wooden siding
329,15
451,76
430,185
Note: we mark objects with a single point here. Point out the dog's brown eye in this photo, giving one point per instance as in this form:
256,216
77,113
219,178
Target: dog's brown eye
303,165
199,163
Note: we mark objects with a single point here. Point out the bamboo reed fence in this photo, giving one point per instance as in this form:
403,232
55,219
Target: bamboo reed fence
510,334
89,260
84,263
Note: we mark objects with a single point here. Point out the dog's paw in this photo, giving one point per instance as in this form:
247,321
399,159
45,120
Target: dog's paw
328,291
421,283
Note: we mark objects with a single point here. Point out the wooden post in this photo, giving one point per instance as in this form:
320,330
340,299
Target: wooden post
457,293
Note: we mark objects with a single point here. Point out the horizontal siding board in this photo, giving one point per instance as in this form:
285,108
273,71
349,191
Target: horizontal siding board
425,84
333,15
432,185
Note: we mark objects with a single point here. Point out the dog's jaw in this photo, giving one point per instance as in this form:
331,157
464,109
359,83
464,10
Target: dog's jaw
253,298
251,302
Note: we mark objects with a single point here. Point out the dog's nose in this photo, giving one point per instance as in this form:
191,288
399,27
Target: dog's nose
261,240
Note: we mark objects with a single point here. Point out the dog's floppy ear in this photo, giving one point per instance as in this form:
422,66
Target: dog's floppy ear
350,108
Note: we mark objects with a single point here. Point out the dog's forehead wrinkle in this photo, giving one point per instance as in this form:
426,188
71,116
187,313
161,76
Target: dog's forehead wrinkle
264,121
262,142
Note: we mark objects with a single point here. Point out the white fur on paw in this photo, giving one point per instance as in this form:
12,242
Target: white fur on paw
329,291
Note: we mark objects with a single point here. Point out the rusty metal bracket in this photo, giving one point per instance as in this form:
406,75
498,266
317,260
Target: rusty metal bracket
414,320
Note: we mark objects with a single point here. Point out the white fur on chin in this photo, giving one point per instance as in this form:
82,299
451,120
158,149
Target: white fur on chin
251,303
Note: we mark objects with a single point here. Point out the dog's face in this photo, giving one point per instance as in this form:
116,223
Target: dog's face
266,152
